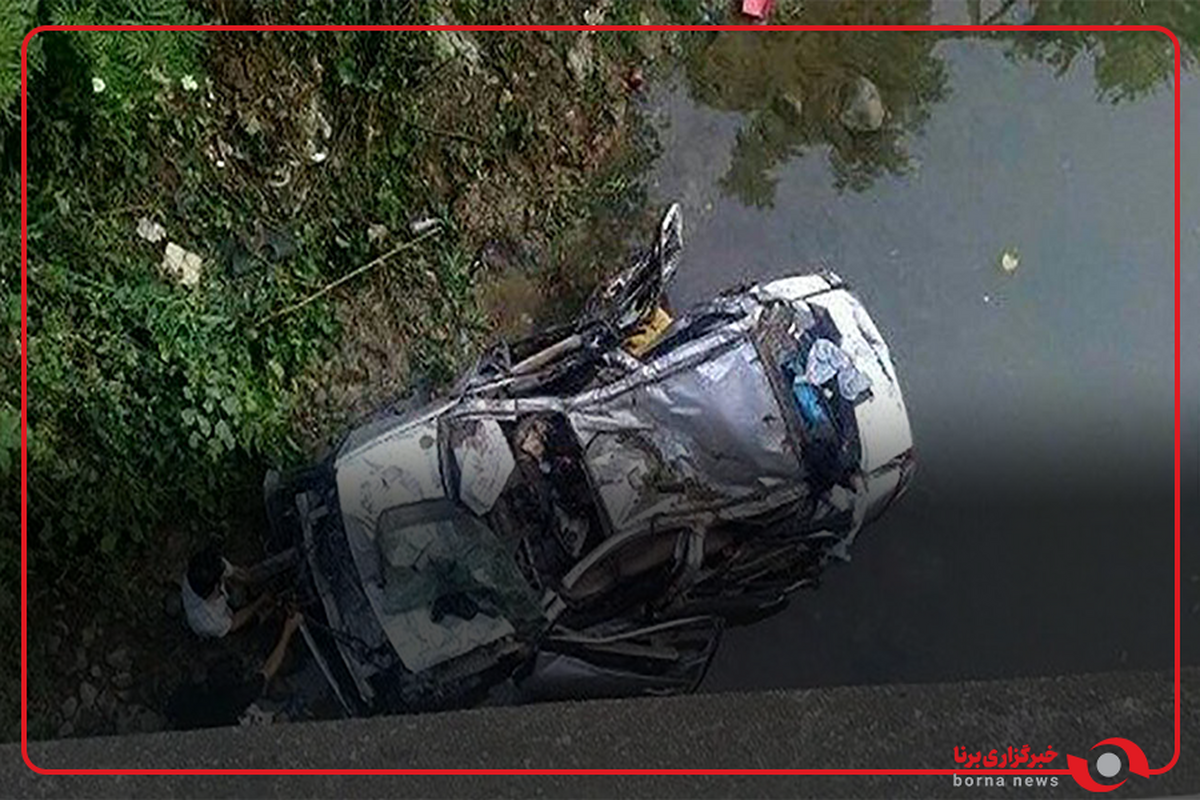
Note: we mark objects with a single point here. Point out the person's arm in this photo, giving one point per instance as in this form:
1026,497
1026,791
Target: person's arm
244,615
238,574
271,665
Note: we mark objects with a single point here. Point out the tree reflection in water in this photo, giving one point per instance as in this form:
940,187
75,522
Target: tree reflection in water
793,86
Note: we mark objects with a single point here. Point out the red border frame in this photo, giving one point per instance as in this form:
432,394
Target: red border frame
397,28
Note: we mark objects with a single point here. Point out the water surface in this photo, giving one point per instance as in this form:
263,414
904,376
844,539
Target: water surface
1037,537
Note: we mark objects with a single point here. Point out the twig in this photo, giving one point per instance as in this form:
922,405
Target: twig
447,134
354,273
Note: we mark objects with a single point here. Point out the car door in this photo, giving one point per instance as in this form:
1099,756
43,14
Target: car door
623,659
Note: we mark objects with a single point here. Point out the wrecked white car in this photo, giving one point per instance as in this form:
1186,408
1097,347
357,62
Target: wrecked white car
588,508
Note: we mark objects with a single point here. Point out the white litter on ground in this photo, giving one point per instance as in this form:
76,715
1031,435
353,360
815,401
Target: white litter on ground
182,265
150,230
376,232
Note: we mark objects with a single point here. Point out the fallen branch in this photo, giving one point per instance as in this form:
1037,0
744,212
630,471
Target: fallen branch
462,137
354,273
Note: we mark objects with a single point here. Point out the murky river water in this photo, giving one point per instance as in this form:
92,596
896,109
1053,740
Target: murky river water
1037,537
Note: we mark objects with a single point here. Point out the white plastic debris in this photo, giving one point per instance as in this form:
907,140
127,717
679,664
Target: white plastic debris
1009,261
317,129
426,224
150,230
98,85
189,83
376,231
182,265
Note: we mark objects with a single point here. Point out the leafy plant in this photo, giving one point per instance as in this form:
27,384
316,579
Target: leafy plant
15,21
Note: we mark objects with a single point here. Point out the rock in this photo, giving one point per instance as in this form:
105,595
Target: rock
96,672
149,721
69,707
863,109
87,695
136,718
579,58
124,721
65,730
122,680
790,106
119,659
106,703
88,635
80,662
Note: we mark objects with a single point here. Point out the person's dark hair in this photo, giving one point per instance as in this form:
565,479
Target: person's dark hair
205,570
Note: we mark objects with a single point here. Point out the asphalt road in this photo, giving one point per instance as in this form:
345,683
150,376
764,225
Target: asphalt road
883,727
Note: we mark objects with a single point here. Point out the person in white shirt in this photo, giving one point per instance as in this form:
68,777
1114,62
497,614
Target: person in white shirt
206,595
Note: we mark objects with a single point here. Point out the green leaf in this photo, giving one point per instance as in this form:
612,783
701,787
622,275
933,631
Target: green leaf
10,437
347,73
224,434
10,428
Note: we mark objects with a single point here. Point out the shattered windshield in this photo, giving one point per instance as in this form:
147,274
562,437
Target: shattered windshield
448,582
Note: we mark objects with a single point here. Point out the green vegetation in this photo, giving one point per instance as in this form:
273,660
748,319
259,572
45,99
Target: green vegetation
352,201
